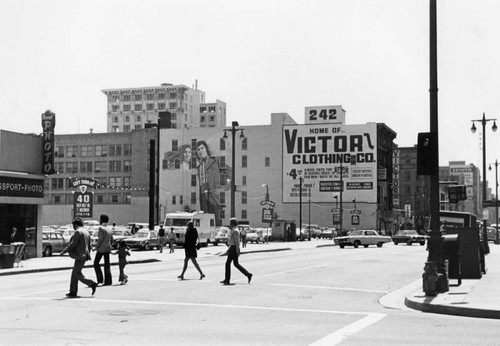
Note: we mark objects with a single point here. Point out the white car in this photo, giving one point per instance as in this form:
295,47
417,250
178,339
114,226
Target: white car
362,237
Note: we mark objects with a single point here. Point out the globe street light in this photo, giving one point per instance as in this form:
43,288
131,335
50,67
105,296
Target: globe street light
473,129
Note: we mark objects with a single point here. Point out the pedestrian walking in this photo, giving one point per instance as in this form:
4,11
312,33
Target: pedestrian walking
243,234
122,252
190,249
171,240
233,241
79,249
103,249
161,236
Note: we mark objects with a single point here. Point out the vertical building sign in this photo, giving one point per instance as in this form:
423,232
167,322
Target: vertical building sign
48,125
395,178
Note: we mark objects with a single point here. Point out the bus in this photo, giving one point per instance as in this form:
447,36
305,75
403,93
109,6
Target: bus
203,222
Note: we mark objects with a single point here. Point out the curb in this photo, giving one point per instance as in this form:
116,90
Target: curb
452,310
148,260
53,269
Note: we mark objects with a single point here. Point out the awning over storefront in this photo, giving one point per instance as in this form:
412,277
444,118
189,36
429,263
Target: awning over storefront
21,188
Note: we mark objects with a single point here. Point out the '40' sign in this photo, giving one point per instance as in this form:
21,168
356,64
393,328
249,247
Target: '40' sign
83,202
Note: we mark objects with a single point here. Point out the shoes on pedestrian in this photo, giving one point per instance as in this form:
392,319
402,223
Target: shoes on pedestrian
124,281
71,295
225,283
94,287
250,277
181,277
202,276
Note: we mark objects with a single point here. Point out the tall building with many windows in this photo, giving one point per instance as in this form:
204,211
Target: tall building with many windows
131,108
120,164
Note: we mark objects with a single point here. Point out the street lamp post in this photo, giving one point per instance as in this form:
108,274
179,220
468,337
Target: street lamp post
473,129
497,240
309,213
341,201
272,213
233,131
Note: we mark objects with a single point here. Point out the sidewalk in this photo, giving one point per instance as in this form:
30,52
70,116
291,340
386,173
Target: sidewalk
56,262
473,298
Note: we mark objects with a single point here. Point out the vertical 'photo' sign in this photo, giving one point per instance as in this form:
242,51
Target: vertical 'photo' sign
48,125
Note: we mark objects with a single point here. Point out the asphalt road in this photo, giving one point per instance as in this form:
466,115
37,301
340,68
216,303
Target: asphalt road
319,296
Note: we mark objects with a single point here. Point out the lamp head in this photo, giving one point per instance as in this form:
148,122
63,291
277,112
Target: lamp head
242,135
494,127
473,128
225,135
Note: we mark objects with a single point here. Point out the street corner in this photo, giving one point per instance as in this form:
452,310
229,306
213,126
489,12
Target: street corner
457,301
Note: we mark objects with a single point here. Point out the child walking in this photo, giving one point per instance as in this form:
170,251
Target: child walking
123,252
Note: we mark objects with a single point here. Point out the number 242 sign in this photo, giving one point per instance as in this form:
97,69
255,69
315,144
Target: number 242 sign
83,203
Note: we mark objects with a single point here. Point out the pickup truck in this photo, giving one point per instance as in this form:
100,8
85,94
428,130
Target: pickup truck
362,237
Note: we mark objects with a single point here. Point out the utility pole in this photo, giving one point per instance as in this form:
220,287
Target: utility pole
300,207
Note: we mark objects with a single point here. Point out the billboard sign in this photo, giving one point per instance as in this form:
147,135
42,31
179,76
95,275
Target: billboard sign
325,114
83,202
195,166
326,158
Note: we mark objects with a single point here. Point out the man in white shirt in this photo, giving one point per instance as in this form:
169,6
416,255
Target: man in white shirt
233,241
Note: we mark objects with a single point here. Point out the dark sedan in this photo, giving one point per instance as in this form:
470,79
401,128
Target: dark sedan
409,237
145,240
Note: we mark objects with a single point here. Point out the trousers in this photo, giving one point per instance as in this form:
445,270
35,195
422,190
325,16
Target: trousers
77,275
107,268
232,256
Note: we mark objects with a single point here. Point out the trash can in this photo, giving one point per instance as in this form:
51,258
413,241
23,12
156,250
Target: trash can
450,252
7,256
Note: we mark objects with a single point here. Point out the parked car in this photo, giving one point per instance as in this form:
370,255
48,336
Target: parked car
48,229
362,237
118,235
144,239
52,242
302,234
67,234
255,236
138,226
62,229
221,235
267,233
91,225
491,233
93,237
328,233
408,237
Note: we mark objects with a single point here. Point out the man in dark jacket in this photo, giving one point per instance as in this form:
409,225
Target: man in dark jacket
79,249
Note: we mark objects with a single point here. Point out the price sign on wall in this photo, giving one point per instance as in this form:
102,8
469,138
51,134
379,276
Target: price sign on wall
83,203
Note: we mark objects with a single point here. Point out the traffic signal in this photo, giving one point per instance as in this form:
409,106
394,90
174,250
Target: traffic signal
427,153
457,193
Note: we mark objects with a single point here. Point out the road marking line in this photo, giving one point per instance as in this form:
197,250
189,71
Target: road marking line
331,339
338,336
331,288
291,271
230,306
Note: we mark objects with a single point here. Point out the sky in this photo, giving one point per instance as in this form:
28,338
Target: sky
260,57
